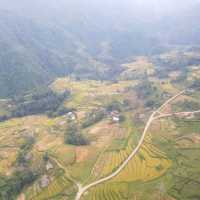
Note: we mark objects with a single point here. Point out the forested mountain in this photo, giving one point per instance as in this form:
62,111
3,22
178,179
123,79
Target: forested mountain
41,40
26,56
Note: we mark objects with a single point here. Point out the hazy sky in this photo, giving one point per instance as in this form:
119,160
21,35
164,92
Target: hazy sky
114,9
109,16
152,5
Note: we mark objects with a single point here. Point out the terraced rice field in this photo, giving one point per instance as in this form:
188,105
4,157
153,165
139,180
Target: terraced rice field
116,153
149,164
115,158
108,192
56,187
89,94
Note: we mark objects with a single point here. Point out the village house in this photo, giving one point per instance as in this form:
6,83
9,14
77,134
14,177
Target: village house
71,116
115,116
49,166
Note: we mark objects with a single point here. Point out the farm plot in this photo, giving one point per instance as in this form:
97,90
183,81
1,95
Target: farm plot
56,187
149,164
123,141
114,191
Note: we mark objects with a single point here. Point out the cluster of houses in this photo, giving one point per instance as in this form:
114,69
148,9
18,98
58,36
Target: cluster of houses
70,116
114,116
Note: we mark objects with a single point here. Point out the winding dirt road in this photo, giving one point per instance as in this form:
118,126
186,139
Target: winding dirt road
82,190
177,114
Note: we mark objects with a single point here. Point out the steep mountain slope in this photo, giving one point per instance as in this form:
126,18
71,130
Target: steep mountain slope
28,54
33,54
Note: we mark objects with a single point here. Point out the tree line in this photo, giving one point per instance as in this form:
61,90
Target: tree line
45,101
74,136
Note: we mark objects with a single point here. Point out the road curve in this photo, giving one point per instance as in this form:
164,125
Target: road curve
177,114
82,190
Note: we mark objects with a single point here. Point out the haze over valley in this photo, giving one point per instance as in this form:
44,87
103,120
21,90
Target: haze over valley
99,100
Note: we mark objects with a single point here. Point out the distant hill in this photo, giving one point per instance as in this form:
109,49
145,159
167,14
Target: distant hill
33,54
88,40
28,55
